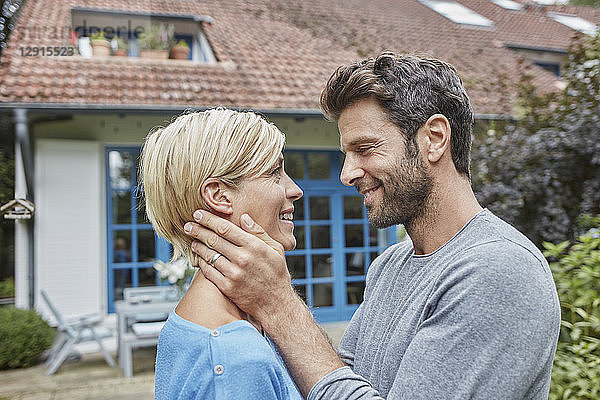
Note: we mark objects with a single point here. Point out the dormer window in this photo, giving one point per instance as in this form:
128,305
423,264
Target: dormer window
574,22
114,33
458,13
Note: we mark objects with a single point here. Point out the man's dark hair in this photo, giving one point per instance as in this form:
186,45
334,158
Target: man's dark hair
411,89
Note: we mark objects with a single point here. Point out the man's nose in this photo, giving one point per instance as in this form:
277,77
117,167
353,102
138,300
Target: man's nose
351,171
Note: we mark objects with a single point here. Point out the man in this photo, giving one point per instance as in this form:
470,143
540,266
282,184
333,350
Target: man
466,309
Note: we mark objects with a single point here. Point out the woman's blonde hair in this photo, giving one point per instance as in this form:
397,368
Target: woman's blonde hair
176,160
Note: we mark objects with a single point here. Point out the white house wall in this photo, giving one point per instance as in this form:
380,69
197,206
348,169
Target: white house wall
69,251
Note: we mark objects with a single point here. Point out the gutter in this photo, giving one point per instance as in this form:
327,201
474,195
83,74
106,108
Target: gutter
152,109
22,140
177,109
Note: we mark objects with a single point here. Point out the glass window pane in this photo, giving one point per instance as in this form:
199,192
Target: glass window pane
121,207
355,264
299,209
321,265
354,292
301,290
323,295
294,165
120,165
122,246
372,236
296,266
354,235
146,248
146,276
122,279
353,206
320,237
318,165
319,207
299,232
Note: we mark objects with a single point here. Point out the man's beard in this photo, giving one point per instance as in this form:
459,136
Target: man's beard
406,191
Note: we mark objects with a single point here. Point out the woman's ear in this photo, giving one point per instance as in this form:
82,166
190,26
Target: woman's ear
217,196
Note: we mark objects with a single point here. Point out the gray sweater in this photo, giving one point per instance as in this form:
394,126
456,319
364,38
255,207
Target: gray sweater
476,319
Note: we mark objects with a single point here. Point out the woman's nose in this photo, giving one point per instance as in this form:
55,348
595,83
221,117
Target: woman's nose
292,190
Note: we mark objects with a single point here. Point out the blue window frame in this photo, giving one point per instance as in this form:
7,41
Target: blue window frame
335,243
132,244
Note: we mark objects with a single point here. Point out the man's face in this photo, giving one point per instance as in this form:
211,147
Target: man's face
396,186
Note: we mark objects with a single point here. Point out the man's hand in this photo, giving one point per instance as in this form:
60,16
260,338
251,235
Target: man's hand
252,272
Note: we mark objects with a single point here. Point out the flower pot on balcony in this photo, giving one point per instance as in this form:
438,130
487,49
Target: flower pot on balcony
101,48
180,52
120,53
160,54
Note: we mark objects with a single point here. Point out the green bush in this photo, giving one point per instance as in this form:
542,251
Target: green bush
576,270
7,288
24,335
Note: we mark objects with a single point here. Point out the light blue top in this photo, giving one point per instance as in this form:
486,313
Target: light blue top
231,362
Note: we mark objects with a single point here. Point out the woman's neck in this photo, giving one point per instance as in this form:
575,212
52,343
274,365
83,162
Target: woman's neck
205,305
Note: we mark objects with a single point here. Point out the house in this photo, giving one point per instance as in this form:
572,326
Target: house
80,119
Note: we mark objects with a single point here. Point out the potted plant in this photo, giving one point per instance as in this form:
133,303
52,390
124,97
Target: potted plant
122,47
100,46
154,41
180,51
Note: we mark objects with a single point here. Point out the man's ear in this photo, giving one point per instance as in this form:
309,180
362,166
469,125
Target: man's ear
217,196
437,137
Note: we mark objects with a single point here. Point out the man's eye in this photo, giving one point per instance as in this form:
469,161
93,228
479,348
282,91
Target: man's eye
362,150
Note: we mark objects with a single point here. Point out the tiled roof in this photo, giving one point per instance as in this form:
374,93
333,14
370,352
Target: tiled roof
276,54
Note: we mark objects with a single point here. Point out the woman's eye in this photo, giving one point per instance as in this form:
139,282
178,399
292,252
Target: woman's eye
276,171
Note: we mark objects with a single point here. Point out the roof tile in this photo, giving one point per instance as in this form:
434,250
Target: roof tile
276,54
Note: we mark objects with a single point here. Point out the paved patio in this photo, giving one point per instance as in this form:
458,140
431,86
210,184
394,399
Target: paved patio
92,379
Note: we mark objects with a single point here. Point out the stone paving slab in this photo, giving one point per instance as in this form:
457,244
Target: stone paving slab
92,379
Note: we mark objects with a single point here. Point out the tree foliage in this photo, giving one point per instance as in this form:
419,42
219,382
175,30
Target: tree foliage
8,14
543,171
7,192
576,270
590,3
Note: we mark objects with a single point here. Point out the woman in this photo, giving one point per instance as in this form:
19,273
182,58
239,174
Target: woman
230,163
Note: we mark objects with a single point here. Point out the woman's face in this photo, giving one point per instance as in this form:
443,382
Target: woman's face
269,199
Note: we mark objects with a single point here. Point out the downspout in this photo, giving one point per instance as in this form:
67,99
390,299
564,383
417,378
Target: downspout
23,144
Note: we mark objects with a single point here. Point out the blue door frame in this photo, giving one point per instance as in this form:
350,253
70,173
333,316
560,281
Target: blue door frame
335,243
129,262
346,283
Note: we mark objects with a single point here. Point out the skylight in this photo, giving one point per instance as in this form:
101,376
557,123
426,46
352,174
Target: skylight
458,13
508,4
573,22
551,2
